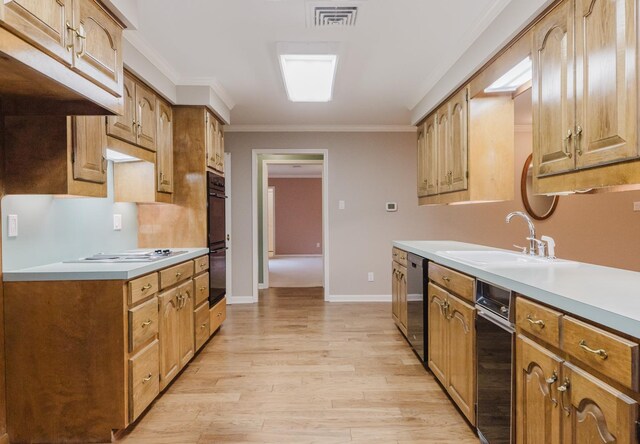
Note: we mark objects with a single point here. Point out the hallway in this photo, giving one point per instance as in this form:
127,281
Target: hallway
294,369
296,271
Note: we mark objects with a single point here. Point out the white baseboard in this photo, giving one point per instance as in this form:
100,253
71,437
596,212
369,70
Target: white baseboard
296,255
359,298
262,286
240,300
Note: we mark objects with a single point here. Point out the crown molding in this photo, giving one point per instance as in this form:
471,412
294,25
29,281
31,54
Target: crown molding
212,83
139,43
320,129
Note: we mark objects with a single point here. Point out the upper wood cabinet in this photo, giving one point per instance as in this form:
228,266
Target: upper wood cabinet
97,45
430,157
211,140
138,123
585,95
70,159
73,53
456,156
164,145
43,23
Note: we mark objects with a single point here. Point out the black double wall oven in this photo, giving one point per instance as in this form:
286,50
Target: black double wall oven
217,236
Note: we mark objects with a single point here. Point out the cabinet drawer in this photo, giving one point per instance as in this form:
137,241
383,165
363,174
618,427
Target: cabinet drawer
201,288
143,323
144,381
202,264
202,323
176,274
605,352
458,283
400,256
217,315
539,321
142,288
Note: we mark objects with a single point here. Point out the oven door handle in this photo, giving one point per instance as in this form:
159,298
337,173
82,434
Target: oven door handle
219,196
218,250
500,322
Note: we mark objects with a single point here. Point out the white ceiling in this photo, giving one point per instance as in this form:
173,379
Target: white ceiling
397,51
284,170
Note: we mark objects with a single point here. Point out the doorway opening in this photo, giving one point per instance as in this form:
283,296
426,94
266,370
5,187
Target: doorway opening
290,222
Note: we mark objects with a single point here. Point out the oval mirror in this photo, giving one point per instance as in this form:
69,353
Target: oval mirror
538,207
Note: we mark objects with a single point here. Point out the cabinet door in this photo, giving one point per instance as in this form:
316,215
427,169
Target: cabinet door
459,141
444,183
437,336
402,296
169,337
422,163
606,89
552,92
146,117
431,155
597,413
89,149
462,356
395,302
98,46
537,379
124,127
220,149
211,140
43,23
185,321
164,145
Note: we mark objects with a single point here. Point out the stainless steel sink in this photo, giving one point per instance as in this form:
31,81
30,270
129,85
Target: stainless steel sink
485,258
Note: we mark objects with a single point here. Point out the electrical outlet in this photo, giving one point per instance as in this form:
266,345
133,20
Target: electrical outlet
117,222
12,225
636,206
341,205
318,245
370,276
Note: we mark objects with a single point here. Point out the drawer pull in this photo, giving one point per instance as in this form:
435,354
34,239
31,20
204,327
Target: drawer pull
539,322
148,378
178,274
203,288
600,352
146,287
203,265
203,326
446,279
147,323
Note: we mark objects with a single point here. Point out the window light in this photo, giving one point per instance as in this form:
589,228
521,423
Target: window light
309,77
513,79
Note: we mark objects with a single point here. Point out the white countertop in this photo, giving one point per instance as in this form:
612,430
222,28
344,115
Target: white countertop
607,296
61,271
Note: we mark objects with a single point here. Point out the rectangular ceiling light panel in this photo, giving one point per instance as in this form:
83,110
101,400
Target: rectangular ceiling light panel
513,79
309,77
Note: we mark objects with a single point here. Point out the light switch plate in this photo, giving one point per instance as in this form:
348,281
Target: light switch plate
341,204
370,276
117,222
391,207
12,225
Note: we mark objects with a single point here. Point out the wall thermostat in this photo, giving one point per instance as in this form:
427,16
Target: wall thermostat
391,207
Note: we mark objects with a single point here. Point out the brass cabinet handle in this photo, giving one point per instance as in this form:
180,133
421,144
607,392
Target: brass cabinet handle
148,378
563,389
550,381
178,274
180,298
539,322
578,139
147,323
146,287
81,34
74,32
446,279
203,326
565,144
219,314
600,352
203,288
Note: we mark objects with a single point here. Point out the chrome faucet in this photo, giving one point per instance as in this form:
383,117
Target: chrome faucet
533,242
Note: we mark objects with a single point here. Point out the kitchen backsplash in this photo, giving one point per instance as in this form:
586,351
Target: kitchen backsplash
54,229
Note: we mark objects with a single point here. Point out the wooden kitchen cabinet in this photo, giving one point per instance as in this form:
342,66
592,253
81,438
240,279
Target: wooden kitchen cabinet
538,415
585,100
169,335
124,127
185,323
452,347
399,292
164,145
452,142
97,45
70,159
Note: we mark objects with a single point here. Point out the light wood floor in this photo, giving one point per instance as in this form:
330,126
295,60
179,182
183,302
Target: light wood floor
294,369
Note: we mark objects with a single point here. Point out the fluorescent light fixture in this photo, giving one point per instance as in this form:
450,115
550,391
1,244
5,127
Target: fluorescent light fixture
116,156
309,77
513,79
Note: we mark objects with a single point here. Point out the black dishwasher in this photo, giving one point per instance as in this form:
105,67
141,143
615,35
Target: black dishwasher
416,319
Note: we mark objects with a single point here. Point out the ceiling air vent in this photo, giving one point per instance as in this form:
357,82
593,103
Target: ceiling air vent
328,14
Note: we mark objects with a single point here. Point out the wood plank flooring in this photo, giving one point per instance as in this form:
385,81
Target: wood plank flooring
294,369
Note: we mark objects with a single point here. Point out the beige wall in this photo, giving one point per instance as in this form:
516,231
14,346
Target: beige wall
298,215
367,170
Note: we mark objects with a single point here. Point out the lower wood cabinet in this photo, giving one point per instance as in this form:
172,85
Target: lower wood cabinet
559,402
399,295
144,384
452,347
202,323
185,323
217,315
